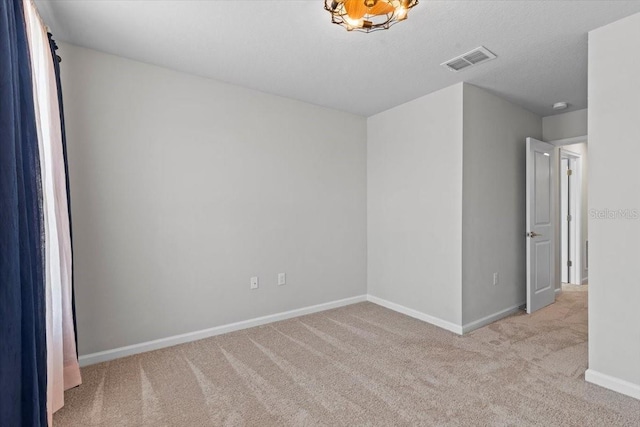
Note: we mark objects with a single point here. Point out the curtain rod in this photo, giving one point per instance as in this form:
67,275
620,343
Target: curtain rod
55,45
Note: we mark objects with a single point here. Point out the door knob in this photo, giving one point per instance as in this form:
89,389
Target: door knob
533,234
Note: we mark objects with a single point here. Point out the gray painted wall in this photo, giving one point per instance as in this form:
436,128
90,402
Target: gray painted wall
493,216
614,270
414,188
183,188
446,203
566,125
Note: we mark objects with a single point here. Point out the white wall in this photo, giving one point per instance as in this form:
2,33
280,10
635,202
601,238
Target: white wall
493,217
565,125
183,188
614,270
414,188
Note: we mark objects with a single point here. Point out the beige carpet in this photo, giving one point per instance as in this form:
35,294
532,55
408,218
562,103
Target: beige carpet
361,365
568,287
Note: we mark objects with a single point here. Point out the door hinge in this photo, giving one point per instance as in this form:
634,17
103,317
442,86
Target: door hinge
569,172
569,218
569,263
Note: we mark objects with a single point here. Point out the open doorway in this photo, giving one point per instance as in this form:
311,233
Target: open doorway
556,219
572,217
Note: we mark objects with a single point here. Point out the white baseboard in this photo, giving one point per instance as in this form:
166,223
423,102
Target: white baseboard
558,291
585,280
472,326
444,324
612,383
103,356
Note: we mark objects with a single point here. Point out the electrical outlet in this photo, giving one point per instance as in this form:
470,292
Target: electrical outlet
496,279
282,279
254,282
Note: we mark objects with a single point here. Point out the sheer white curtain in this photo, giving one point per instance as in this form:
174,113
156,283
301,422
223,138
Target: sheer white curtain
63,371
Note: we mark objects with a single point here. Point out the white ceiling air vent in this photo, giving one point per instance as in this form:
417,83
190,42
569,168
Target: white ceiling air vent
475,57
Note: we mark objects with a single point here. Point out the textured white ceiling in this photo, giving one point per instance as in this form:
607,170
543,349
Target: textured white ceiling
290,48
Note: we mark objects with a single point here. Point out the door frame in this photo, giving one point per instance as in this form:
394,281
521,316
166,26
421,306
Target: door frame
569,141
561,143
575,271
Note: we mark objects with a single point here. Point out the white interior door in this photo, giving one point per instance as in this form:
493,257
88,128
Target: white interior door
541,164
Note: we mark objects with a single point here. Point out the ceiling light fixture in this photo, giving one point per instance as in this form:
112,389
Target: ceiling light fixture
560,106
368,15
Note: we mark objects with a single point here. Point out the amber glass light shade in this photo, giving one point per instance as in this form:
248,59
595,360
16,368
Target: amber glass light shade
368,15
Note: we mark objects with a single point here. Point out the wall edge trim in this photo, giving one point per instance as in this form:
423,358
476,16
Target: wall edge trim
484,321
612,383
129,350
436,321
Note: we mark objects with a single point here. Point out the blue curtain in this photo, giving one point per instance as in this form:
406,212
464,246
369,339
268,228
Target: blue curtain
23,387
